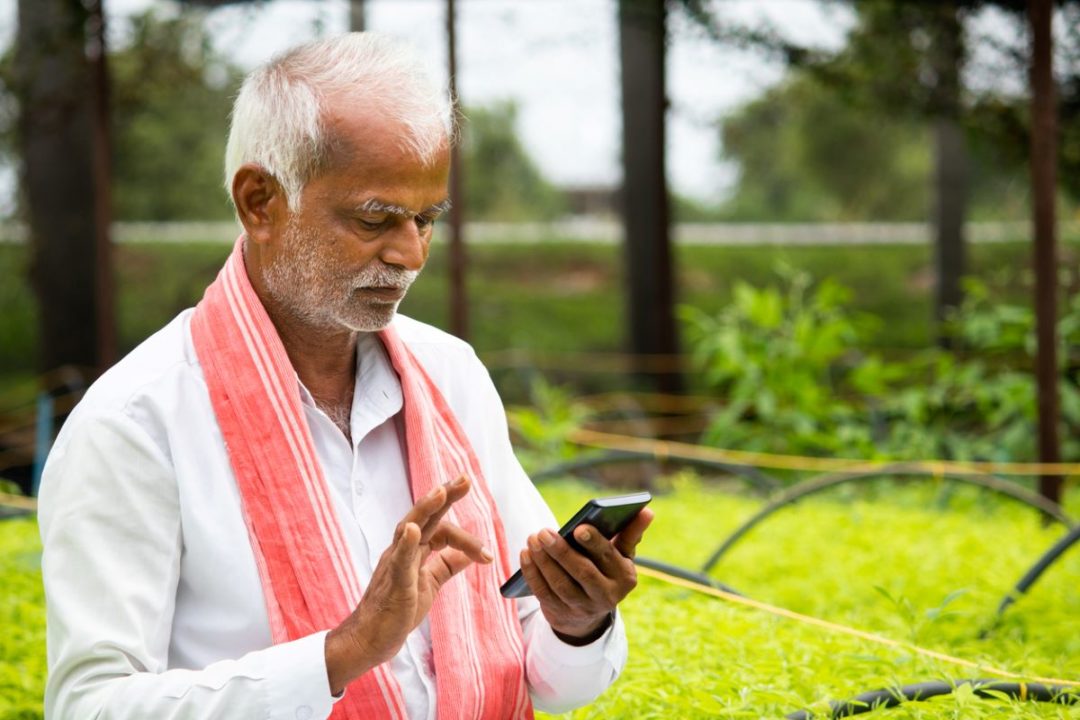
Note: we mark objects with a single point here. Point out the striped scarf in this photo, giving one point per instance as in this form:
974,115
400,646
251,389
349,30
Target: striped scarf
309,580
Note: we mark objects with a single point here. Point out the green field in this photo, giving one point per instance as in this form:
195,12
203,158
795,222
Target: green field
908,562
886,562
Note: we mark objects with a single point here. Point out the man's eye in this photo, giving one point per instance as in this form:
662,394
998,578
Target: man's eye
423,222
371,225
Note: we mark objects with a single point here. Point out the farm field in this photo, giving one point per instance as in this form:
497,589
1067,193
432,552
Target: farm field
916,563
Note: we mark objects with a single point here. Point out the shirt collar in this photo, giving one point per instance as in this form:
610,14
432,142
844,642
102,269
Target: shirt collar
377,393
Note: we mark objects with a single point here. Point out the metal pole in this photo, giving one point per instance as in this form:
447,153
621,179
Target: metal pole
43,437
1043,183
459,301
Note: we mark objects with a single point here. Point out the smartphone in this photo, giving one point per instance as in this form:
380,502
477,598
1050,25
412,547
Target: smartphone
608,515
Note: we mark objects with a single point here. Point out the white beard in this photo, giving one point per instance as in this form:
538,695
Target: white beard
311,285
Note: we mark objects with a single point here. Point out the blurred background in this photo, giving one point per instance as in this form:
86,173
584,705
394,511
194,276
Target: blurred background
650,196
808,228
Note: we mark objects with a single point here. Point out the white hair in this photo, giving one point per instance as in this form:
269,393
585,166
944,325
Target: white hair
278,119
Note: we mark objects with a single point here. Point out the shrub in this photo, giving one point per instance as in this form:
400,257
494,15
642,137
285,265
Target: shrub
792,365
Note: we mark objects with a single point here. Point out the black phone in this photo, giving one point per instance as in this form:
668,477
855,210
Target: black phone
608,515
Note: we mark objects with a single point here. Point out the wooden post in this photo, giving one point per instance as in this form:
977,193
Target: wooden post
650,288
951,181
357,18
1043,184
457,261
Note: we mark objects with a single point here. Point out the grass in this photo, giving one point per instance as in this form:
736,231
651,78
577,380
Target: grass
899,561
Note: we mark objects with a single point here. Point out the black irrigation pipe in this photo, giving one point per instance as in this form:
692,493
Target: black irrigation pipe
689,575
824,482
10,513
990,689
762,482
1048,558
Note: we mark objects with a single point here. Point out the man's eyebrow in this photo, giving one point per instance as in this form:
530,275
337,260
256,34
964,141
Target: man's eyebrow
438,208
374,205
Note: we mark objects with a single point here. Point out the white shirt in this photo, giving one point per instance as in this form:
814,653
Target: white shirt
154,604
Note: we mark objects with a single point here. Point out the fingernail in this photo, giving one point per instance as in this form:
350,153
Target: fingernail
459,482
525,559
486,554
547,537
585,536
534,544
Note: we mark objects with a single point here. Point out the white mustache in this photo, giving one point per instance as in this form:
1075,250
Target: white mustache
385,276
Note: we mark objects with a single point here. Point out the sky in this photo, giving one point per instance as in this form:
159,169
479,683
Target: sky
557,59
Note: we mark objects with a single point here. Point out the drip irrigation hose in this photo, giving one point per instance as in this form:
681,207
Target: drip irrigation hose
990,689
10,513
16,506
824,482
762,482
689,575
1048,558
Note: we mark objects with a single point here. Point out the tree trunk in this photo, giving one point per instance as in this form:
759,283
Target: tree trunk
950,165
57,129
1043,190
644,193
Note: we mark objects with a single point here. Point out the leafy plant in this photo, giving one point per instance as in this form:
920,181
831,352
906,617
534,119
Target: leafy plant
793,368
782,360
543,428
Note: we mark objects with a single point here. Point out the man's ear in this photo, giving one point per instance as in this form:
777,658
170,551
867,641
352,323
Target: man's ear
260,203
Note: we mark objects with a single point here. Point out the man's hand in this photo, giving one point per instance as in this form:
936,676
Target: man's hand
577,592
425,553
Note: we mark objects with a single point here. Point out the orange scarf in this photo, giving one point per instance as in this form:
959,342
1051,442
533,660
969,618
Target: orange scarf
308,577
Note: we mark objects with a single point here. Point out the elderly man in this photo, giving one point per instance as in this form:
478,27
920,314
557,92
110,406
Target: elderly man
293,503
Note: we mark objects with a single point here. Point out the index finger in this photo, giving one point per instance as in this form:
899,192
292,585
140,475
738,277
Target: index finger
627,541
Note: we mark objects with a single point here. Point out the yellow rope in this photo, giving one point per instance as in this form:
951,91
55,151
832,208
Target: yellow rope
668,448
844,629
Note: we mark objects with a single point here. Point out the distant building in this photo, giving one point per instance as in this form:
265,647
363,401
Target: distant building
591,200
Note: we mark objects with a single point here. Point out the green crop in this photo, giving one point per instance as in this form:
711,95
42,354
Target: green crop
909,561
22,619
897,561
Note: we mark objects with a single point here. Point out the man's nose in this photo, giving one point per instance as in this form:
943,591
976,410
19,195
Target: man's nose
406,246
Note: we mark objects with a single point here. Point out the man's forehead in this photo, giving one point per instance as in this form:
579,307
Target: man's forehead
357,126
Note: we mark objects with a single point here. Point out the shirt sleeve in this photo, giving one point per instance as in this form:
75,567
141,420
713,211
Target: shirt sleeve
561,677
110,525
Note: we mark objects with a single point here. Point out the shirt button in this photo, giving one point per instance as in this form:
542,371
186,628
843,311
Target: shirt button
358,488
304,712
